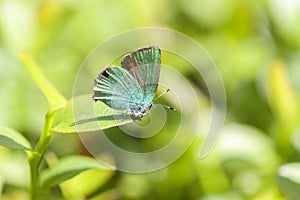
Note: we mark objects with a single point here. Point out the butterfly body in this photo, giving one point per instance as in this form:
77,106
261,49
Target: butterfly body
132,87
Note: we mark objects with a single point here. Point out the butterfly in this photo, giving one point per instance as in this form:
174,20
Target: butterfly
132,86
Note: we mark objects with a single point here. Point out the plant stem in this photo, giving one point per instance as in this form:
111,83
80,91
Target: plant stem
35,157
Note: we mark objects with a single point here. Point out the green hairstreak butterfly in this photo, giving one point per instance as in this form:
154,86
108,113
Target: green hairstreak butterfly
132,86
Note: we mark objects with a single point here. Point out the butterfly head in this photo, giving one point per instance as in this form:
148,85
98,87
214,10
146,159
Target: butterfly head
139,111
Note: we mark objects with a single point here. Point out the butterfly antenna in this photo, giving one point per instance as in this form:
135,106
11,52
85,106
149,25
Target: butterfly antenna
166,91
169,107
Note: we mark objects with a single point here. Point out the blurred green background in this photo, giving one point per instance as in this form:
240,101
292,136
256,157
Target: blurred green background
256,47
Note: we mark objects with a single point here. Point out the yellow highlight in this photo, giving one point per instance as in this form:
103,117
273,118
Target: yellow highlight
281,95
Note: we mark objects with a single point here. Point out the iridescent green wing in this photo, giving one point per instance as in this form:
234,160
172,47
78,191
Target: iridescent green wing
144,66
117,89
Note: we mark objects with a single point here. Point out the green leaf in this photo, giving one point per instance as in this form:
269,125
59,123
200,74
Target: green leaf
254,146
55,99
82,114
13,139
67,168
85,184
288,178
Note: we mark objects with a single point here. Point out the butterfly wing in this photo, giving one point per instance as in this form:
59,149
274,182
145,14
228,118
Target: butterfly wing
117,89
144,66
